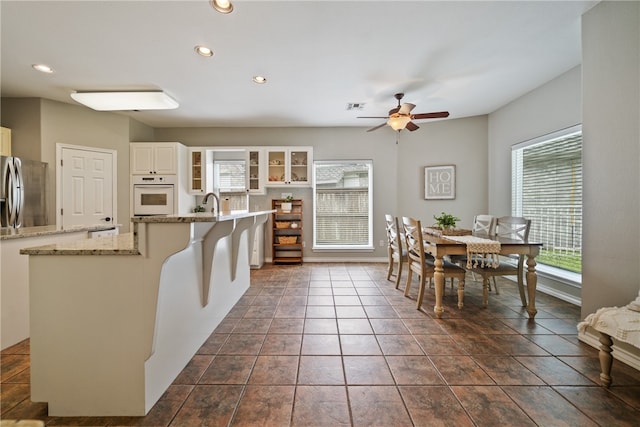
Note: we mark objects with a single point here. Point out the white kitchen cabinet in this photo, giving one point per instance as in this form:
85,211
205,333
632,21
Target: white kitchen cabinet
200,171
257,254
255,171
289,166
154,158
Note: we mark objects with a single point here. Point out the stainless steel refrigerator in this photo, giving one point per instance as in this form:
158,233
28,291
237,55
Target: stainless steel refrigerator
23,195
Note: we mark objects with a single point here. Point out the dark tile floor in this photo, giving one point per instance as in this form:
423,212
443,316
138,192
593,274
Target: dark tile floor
336,344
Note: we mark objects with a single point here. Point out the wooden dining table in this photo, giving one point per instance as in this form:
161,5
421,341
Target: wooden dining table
439,247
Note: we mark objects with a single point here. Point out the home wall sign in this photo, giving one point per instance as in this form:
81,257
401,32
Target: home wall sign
440,182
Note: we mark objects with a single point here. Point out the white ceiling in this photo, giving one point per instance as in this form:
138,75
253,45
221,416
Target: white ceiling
468,58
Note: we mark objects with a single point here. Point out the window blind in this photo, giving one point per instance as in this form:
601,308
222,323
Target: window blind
230,175
547,188
343,204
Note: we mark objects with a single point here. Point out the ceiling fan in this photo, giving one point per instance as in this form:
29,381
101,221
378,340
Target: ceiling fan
401,118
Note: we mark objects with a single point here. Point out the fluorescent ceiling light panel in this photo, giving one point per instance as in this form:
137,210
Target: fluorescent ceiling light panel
122,101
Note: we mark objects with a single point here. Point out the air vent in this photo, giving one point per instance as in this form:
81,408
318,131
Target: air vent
355,106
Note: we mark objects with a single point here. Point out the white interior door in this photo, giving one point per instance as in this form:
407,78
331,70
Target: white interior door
87,189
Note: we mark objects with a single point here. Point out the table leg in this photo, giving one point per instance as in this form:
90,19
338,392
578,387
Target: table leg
606,360
438,278
532,283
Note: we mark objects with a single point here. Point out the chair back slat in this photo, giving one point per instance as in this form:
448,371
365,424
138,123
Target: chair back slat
394,239
514,228
413,240
484,224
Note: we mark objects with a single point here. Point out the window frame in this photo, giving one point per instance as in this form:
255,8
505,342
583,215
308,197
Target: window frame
369,246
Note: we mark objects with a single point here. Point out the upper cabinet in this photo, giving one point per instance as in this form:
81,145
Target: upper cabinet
255,171
154,158
200,171
289,166
5,142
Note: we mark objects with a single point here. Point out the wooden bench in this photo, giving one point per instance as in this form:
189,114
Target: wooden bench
622,323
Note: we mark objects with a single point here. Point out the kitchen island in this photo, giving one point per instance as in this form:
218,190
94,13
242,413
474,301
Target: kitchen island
114,322
14,272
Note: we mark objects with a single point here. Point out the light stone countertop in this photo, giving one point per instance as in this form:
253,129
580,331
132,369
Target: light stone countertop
126,244
46,230
199,217
121,244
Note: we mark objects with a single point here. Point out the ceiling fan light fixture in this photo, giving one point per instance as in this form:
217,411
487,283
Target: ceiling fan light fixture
398,122
222,6
126,100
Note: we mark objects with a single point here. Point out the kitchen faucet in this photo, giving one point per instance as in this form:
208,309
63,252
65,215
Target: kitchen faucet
217,203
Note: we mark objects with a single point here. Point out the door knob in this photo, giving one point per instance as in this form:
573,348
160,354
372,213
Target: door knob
106,219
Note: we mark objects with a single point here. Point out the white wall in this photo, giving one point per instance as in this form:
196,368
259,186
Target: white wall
611,133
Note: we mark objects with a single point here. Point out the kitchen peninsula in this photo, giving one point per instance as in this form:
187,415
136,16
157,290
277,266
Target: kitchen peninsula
115,320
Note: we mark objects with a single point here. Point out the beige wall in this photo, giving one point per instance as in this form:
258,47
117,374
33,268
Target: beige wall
604,95
22,116
553,106
460,142
39,124
611,111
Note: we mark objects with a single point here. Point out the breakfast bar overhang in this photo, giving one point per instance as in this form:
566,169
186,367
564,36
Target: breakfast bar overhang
114,320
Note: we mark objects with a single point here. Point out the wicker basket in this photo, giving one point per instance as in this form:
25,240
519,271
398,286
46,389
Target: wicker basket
287,240
282,224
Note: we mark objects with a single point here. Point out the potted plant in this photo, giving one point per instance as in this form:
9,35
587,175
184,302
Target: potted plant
446,221
286,205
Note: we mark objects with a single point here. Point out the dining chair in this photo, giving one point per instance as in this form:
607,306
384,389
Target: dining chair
483,225
395,247
423,264
516,229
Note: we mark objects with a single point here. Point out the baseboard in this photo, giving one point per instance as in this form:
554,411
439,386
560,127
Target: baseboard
559,294
340,259
621,354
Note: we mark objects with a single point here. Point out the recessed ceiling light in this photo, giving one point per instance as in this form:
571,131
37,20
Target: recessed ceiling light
222,6
259,79
126,101
43,68
203,51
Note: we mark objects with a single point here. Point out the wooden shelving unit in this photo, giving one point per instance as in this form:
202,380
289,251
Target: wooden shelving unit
287,232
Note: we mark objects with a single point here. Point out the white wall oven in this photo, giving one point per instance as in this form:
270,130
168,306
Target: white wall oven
154,195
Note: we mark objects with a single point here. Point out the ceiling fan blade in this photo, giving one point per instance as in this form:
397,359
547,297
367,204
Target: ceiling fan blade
377,127
406,108
394,110
411,126
437,115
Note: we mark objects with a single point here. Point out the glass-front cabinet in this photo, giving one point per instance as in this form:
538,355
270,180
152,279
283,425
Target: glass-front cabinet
255,168
289,166
200,179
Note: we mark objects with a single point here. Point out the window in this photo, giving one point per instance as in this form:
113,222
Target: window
547,188
343,195
230,176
